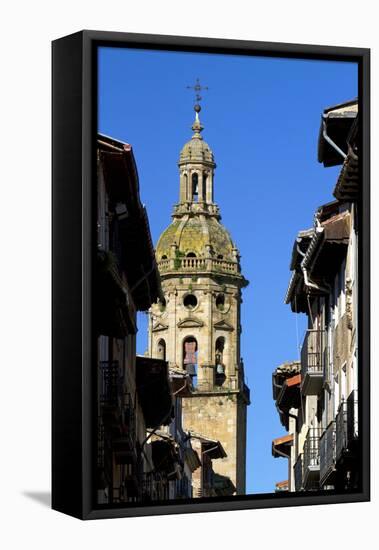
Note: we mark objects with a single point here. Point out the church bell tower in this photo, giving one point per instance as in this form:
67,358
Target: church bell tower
197,327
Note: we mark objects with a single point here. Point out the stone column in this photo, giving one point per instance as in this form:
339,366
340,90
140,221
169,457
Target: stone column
209,190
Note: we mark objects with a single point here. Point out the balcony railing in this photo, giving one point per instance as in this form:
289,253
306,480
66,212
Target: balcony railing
313,358
124,444
352,418
198,264
111,384
311,458
298,473
341,430
328,454
128,418
347,425
153,487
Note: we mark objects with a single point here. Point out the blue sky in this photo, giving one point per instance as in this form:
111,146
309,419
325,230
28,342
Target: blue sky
261,119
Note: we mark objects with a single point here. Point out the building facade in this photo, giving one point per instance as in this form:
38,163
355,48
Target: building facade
318,402
196,326
137,397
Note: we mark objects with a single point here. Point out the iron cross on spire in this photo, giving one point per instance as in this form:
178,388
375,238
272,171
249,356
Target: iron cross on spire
197,88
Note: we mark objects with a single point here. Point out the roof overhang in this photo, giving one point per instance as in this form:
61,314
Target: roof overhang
281,486
289,395
322,256
212,447
154,391
283,372
114,309
121,181
181,383
281,446
336,125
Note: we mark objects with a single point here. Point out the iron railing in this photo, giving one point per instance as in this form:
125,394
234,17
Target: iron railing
352,418
298,473
313,353
311,457
128,417
111,384
153,486
341,429
327,453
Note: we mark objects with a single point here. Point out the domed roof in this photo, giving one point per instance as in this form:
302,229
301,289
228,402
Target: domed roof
192,235
196,150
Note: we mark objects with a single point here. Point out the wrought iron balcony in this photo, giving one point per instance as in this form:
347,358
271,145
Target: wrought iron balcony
124,443
128,418
341,430
298,473
328,454
313,359
311,459
153,487
352,418
110,385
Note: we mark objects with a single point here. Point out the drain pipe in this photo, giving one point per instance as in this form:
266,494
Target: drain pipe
282,454
330,141
285,412
316,238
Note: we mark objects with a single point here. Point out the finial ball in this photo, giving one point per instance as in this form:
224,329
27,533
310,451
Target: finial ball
197,108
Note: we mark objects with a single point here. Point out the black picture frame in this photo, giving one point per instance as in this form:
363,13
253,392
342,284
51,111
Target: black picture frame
74,110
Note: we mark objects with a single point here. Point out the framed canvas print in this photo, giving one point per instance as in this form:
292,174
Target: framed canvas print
210,275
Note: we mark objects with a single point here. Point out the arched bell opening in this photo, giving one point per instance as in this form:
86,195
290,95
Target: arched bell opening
190,355
219,361
195,187
161,349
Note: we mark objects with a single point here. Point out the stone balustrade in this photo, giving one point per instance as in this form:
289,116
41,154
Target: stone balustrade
198,264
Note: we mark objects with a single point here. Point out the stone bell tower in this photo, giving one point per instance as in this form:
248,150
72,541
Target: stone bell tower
197,327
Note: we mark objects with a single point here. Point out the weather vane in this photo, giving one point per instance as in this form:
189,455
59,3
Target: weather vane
197,88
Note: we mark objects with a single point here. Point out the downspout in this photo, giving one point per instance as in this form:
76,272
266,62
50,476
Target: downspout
282,454
285,412
311,284
330,141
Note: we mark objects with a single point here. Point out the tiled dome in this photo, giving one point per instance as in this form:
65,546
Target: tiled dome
193,235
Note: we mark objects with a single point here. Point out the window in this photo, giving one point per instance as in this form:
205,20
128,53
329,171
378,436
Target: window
190,301
220,302
161,350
